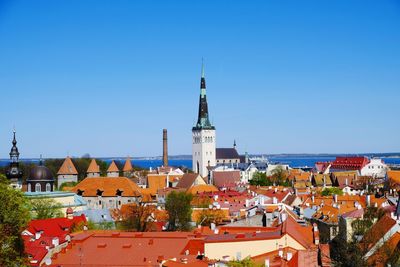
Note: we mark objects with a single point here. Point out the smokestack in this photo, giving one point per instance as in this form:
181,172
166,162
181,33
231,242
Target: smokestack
165,148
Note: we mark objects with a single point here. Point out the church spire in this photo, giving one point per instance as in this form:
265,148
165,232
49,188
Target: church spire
14,153
203,121
14,173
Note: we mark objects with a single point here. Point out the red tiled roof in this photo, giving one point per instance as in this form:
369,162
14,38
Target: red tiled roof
226,178
49,229
349,163
138,249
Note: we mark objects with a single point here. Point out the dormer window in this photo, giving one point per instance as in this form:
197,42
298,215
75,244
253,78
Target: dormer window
99,193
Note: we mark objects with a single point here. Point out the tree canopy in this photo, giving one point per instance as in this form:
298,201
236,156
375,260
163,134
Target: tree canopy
330,191
179,211
45,208
14,217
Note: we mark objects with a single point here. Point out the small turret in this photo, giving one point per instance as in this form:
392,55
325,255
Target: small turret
14,173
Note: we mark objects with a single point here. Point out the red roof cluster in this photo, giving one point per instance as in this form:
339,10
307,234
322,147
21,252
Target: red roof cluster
41,236
349,163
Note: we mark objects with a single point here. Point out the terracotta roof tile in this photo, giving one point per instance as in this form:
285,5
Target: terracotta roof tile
394,176
128,165
196,189
108,185
113,167
226,178
67,167
377,231
188,180
93,167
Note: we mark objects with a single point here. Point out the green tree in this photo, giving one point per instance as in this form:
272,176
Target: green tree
45,208
67,184
138,218
246,262
179,211
279,175
332,191
260,178
14,217
346,254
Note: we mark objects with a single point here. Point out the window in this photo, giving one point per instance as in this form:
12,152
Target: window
29,187
48,187
38,188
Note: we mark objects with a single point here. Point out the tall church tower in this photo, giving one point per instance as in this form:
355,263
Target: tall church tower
203,133
14,173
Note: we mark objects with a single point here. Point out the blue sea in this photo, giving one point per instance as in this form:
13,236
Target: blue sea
293,161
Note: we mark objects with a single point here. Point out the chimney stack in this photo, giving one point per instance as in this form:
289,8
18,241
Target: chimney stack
165,148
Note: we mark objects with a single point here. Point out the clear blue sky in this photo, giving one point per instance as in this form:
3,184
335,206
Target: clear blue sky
104,77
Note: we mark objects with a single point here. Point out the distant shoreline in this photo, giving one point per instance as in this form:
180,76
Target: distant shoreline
282,155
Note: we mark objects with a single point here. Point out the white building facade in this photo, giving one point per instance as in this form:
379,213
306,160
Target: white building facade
375,168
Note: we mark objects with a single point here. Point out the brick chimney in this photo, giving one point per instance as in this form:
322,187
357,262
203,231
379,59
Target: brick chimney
165,148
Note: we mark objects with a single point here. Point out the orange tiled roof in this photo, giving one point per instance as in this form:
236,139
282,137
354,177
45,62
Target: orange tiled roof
109,186
327,214
394,176
202,188
114,248
188,180
156,182
93,167
113,167
377,231
67,167
128,165
380,257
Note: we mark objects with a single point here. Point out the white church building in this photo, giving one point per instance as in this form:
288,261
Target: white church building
203,136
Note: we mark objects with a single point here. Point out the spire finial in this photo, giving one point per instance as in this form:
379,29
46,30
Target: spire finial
14,142
40,160
202,67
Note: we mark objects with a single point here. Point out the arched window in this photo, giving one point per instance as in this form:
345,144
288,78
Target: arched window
48,187
38,188
29,187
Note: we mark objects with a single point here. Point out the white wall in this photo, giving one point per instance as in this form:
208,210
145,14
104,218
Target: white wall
376,168
66,178
203,150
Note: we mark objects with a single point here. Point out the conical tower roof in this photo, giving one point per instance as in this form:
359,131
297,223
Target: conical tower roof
113,167
67,167
128,165
93,167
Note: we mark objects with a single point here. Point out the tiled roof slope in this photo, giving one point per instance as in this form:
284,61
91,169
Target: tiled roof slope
67,167
109,186
113,167
227,153
128,165
93,167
